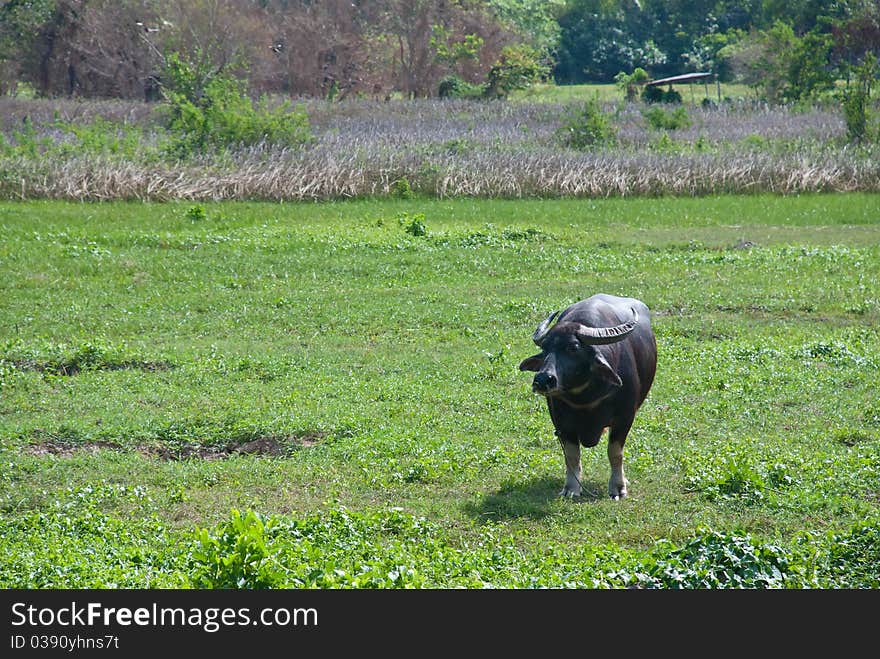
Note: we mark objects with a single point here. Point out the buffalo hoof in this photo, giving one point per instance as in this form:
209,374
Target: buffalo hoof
569,493
617,490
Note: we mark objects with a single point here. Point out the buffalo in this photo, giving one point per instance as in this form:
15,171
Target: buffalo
595,369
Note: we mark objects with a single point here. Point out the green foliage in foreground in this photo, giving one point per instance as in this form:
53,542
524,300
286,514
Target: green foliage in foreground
344,378
76,546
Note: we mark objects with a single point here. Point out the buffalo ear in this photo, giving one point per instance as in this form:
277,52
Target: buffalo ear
532,363
602,370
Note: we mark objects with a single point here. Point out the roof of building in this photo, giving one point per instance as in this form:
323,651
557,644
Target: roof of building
686,77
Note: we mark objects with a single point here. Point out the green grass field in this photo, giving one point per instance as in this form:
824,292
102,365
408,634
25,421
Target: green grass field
345,376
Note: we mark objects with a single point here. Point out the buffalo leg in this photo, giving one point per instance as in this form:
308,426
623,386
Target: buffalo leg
616,439
572,452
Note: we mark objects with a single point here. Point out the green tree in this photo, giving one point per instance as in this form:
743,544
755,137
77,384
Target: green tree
805,15
857,35
809,67
451,50
20,25
708,53
534,20
861,121
600,38
761,60
631,83
425,40
518,67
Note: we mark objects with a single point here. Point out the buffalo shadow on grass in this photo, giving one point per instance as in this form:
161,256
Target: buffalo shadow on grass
533,498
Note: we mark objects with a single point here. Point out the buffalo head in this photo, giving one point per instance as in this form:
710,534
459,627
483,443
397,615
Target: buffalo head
569,362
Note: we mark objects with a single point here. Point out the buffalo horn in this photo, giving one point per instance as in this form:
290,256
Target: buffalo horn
603,335
543,328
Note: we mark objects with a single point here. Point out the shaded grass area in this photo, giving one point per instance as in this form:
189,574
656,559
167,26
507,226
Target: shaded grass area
354,384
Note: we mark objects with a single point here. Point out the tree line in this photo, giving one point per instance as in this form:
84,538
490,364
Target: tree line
785,50
336,48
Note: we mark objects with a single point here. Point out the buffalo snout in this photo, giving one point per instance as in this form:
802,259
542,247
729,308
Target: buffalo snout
544,382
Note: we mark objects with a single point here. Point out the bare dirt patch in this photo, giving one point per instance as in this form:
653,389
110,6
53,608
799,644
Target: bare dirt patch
270,445
63,450
68,368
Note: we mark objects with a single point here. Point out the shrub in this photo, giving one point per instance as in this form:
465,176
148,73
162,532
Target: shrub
105,137
630,82
664,144
220,114
857,103
516,68
671,96
26,141
807,73
853,557
402,189
196,213
652,94
668,120
586,126
454,87
236,555
416,226
718,560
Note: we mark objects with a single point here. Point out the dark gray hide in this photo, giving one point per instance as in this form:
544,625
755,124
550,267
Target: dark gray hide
595,368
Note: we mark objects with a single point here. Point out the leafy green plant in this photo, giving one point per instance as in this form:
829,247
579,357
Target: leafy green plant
402,189
586,126
661,119
861,122
871,414
236,554
72,542
517,67
196,213
453,86
738,476
414,225
218,114
104,137
664,144
719,560
630,83
26,142
853,557
64,359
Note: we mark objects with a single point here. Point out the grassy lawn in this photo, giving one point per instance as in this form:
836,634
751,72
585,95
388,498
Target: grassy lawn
345,375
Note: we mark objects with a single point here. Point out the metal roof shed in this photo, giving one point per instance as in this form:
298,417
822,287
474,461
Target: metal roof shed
688,78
